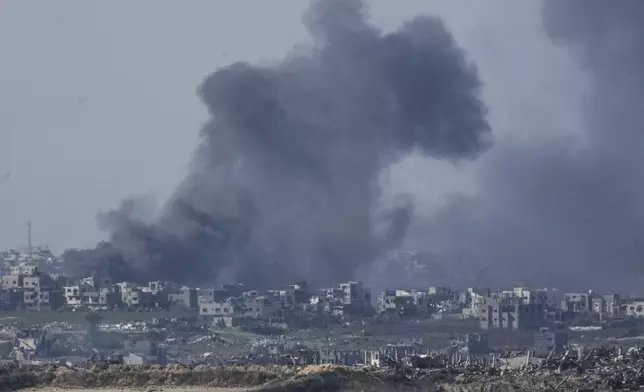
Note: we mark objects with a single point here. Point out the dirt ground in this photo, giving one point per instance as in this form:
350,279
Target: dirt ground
483,387
171,389
270,378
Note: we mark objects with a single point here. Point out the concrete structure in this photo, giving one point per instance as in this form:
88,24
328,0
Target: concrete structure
109,299
91,298
11,299
550,298
634,307
249,306
156,286
329,295
404,302
219,309
10,282
340,357
50,300
293,296
300,293
356,299
258,306
510,313
227,313
387,302
136,298
523,292
477,344
546,341
478,294
38,282
354,293
96,282
577,303
212,295
138,359
607,305
206,296
74,294
25,269
441,291
188,297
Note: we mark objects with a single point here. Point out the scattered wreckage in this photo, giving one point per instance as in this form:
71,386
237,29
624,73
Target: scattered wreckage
601,369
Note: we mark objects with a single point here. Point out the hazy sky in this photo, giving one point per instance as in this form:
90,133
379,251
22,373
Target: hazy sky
97,98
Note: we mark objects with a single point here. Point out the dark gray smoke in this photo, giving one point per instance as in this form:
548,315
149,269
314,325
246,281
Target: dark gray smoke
569,211
284,183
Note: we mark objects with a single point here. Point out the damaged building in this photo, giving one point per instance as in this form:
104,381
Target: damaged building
510,313
577,303
26,287
340,357
413,303
547,342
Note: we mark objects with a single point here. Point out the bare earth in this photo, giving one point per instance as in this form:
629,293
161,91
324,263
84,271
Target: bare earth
171,389
270,378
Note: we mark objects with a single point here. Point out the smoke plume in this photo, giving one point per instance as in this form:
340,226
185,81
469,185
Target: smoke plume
565,211
284,182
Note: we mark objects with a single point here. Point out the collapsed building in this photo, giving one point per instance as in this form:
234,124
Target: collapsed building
231,305
548,342
405,303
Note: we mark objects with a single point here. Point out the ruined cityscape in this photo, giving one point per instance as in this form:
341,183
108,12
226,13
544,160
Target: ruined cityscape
50,318
431,197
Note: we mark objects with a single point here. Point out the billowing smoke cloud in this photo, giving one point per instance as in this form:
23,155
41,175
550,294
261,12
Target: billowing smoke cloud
566,211
284,183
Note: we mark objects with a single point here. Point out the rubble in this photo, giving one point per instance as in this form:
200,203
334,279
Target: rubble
371,351
601,369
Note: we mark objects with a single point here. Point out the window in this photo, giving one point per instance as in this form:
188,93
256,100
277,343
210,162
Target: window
204,310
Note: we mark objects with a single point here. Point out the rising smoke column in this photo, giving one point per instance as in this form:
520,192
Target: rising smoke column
565,211
284,183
